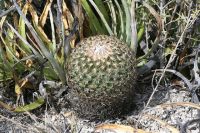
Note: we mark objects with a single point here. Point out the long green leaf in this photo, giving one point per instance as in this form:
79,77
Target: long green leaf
22,30
103,9
113,14
121,20
93,20
128,20
59,70
30,106
102,17
27,43
5,66
140,32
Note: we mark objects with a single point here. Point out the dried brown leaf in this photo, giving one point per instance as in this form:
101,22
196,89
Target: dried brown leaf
44,14
38,28
116,128
189,104
67,18
163,123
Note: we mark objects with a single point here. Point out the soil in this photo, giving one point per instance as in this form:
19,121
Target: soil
58,118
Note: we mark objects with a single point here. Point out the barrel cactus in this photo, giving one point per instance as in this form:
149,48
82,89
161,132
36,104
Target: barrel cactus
101,75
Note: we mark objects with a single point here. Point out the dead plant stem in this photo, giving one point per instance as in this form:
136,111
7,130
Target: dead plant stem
188,24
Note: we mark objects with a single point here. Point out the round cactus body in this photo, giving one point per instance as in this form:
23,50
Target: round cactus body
101,75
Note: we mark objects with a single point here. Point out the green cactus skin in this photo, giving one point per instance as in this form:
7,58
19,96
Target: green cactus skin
101,75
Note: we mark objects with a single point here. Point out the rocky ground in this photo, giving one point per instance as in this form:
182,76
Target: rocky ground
169,111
